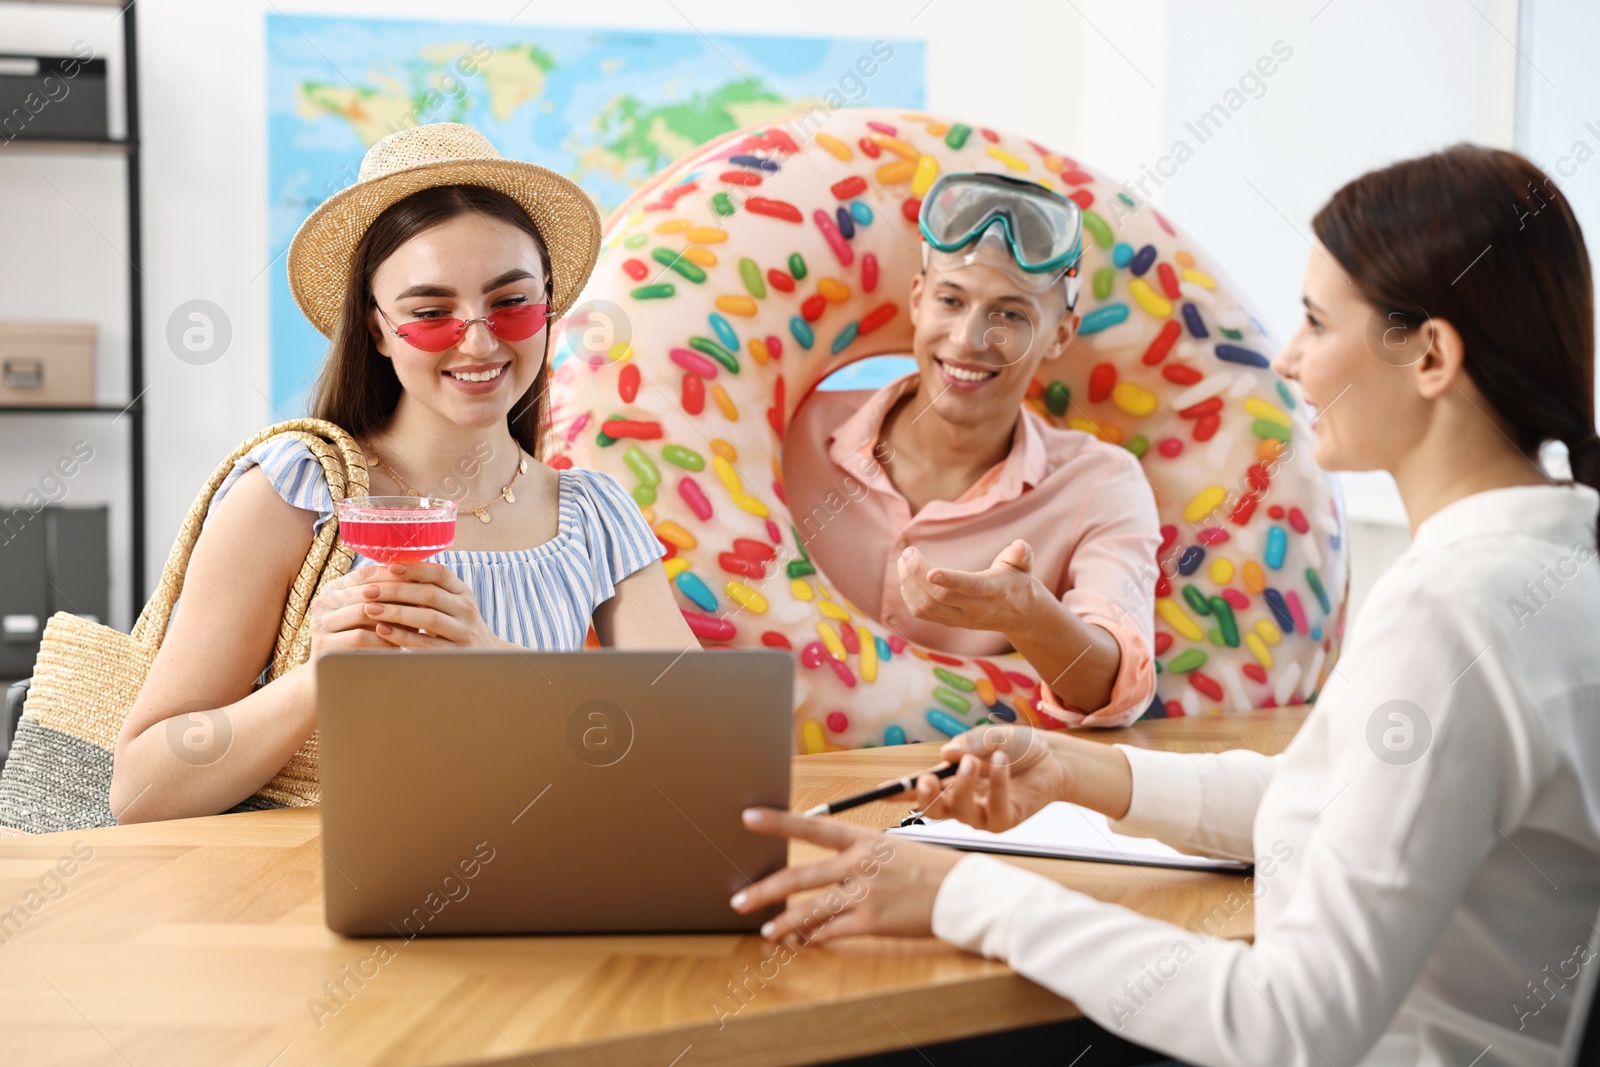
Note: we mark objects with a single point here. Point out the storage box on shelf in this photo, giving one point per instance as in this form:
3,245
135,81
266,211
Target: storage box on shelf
47,364
53,98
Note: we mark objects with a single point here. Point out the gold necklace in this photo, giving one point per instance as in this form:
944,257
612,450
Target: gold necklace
482,510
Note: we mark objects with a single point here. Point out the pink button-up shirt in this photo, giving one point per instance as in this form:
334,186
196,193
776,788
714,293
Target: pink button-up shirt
1084,505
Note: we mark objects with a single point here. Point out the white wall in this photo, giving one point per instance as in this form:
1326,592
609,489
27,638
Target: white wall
1369,82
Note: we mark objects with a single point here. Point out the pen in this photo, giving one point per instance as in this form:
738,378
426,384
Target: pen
901,785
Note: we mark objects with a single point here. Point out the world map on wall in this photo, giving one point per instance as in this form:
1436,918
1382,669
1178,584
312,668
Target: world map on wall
608,108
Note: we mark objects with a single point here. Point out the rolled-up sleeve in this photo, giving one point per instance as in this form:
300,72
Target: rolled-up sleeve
1110,582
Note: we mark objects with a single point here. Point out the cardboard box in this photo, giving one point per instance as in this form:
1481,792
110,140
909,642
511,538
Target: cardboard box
47,364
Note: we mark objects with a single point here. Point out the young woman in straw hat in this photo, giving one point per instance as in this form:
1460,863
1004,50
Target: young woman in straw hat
435,277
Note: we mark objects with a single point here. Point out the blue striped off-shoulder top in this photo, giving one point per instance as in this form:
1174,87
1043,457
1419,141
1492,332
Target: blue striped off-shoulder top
541,598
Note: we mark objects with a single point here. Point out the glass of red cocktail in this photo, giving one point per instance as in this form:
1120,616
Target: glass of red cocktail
391,528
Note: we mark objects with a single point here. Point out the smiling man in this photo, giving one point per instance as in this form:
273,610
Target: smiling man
970,524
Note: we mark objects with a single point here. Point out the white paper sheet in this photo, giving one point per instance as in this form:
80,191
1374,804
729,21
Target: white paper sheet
1064,831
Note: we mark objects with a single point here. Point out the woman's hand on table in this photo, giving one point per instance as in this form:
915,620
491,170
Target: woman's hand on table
423,606
874,883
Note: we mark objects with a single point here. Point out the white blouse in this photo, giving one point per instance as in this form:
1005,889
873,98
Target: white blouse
1427,849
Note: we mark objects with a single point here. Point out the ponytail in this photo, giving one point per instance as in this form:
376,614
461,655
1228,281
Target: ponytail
1585,457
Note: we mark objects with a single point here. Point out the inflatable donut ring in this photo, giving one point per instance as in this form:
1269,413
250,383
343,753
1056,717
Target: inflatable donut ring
736,280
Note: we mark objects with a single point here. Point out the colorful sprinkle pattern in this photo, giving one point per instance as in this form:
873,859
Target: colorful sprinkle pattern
763,262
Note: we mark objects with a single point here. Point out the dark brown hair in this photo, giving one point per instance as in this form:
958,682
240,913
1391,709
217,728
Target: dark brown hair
1483,239
357,388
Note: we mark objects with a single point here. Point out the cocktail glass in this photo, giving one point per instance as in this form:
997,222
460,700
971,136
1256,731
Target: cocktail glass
397,528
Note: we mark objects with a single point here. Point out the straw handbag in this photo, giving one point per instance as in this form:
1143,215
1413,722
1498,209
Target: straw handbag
87,676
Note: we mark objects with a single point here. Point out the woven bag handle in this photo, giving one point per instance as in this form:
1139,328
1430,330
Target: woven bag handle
340,456
327,559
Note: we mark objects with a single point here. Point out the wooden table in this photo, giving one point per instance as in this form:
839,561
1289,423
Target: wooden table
201,941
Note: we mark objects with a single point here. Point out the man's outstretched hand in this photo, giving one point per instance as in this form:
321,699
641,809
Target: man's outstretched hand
1078,660
999,598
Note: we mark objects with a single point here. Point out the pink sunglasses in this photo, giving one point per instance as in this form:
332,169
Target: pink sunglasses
516,323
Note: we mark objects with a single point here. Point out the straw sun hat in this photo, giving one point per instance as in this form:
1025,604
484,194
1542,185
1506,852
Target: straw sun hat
444,153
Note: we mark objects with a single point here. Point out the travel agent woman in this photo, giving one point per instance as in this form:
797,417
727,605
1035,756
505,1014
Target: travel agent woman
435,276
1428,848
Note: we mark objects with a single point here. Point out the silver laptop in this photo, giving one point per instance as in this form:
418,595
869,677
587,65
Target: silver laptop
583,792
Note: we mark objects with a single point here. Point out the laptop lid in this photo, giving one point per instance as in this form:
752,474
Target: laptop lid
526,792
